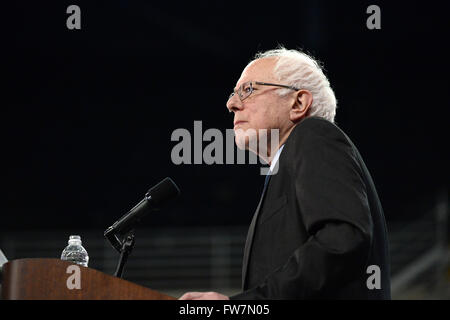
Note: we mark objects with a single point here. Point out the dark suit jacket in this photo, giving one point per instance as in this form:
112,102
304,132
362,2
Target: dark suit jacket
319,223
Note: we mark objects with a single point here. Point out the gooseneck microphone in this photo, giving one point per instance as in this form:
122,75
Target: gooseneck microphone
155,198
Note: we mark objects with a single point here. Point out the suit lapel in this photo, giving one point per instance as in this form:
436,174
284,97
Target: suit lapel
250,234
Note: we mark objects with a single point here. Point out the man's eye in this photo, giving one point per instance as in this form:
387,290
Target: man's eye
247,89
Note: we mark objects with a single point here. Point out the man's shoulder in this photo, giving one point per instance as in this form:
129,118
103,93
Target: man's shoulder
312,127
317,135
321,140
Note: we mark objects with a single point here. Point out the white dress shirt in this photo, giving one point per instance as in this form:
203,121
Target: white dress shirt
275,159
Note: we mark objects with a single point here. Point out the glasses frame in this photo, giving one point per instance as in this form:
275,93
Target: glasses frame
240,93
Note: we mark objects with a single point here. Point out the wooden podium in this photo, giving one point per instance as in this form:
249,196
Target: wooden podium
54,279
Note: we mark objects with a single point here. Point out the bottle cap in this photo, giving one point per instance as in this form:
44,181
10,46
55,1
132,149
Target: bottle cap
75,239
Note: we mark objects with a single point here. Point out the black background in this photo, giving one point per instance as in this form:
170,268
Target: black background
87,115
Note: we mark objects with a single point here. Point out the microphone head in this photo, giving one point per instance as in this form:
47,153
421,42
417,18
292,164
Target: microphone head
163,192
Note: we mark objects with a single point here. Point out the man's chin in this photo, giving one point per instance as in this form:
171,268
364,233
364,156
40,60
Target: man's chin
241,142
245,141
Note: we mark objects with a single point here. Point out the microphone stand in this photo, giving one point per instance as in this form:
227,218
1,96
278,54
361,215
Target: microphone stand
127,247
123,246
160,194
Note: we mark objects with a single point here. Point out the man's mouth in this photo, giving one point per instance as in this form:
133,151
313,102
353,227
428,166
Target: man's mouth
236,123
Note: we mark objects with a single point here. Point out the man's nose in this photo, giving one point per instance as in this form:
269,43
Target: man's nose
234,103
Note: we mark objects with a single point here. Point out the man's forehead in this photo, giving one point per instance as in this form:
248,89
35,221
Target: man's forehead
257,70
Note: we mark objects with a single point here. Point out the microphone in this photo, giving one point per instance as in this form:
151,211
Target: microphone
154,199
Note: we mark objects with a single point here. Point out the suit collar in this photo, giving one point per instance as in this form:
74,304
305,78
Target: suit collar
250,235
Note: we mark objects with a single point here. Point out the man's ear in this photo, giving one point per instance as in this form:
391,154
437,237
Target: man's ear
301,105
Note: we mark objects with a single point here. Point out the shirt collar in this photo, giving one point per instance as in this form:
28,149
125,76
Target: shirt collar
275,159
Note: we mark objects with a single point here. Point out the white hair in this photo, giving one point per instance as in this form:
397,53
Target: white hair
300,70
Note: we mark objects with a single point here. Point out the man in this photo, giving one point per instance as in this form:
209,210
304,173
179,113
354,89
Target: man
319,230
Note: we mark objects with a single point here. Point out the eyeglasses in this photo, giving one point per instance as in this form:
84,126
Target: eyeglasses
246,89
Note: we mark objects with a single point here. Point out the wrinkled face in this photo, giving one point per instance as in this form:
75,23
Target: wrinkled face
263,109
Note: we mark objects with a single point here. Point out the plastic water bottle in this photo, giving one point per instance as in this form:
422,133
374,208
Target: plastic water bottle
75,252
